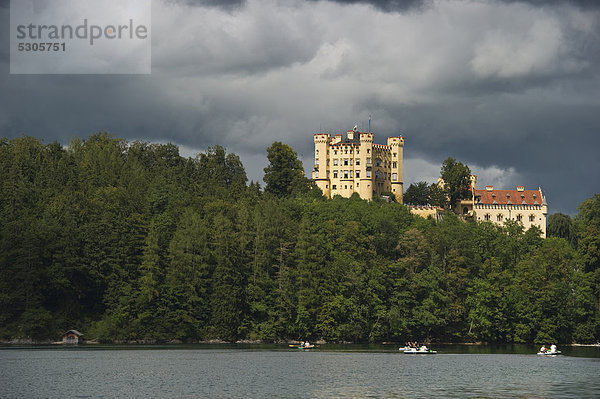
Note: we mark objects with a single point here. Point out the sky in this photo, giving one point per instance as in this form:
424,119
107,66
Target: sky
510,88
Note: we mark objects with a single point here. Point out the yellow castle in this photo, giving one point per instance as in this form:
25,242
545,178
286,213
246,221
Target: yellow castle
357,165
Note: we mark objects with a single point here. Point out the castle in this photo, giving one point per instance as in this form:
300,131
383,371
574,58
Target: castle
357,165
529,207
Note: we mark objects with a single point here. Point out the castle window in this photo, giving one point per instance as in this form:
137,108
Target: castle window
487,216
350,174
317,161
328,162
394,164
328,174
350,161
357,161
317,152
531,218
499,217
335,174
394,176
519,217
394,155
335,162
377,162
368,161
368,150
335,152
317,174
334,187
358,151
346,186
358,174
368,173
345,162
345,174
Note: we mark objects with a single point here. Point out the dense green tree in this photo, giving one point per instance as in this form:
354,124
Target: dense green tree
561,225
437,195
422,194
284,175
457,180
417,194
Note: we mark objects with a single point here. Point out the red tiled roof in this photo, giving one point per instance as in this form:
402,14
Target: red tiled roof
514,197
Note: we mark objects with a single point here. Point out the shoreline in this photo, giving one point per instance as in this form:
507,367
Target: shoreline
176,342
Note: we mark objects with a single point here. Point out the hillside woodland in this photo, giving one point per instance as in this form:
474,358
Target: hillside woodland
129,241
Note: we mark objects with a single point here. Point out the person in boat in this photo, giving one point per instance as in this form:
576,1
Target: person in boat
423,348
543,349
306,344
552,348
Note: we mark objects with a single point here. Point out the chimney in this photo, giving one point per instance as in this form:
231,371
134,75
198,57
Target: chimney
520,188
489,188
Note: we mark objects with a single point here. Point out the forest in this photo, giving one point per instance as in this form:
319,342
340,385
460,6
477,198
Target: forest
129,241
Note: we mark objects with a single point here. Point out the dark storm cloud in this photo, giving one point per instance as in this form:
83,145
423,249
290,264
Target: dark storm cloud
540,142
404,5
552,3
225,4
385,5
510,88
388,5
261,40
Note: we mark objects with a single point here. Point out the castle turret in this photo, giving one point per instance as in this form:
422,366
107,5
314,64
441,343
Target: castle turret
396,145
320,172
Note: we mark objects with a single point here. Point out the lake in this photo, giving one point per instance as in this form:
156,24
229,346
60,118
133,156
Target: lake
271,371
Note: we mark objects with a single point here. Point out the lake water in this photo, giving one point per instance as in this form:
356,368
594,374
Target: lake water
204,371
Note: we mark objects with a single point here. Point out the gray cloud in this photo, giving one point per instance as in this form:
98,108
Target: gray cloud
224,4
388,5
510,88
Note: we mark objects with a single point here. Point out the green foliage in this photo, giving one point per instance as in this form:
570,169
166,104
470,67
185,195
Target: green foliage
422,194
457,180
284,175
561,225
132,242
417,194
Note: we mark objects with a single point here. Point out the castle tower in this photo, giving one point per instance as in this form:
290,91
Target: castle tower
396,145
320,172
366,185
